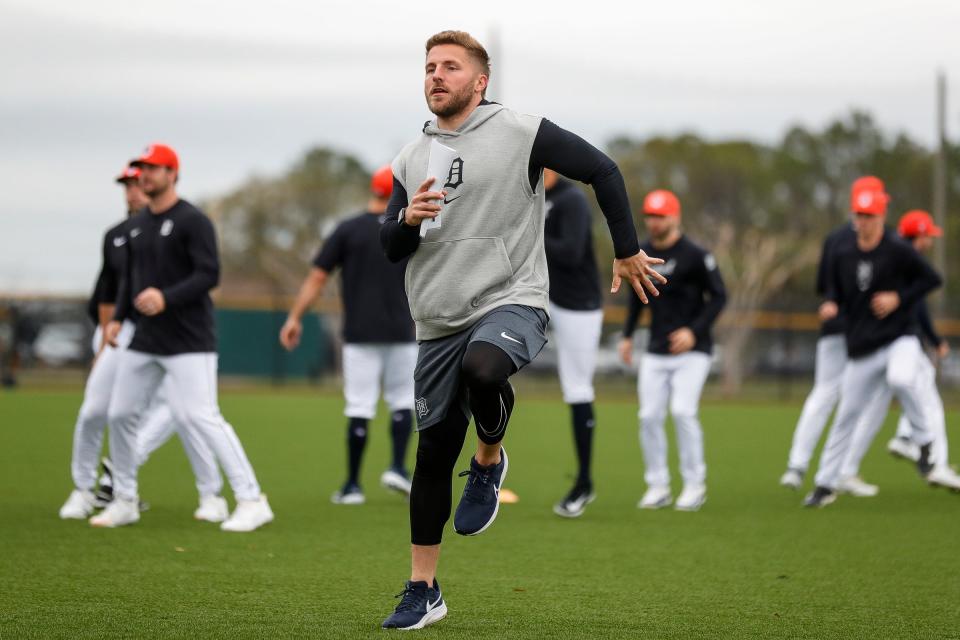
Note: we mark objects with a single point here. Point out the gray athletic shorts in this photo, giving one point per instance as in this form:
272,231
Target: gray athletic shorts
518,330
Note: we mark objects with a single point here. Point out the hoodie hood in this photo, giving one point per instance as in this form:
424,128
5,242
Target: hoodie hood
483,112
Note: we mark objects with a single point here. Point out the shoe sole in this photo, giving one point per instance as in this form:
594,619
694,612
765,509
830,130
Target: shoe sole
262,524
215,519
348,500
496,506
823,503
696,507
564,513
393,485
112,525
656,505
436,615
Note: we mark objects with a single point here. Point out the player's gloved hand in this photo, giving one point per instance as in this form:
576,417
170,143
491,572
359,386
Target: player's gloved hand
681,340
884,303
423,205
110,333
150,302
828,310
638,269
290,333
625,349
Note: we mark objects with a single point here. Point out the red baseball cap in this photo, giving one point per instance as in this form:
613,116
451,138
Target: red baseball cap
381,184
868,195
918,223
129,172
159,155
661,203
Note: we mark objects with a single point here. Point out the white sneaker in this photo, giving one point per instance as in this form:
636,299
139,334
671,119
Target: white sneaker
394,481
691,498
656,497
119,512
855,486
944,476
792,479
212,509
249,515
78,506
903,448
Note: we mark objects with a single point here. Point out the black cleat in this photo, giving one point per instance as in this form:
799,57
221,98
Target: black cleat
481,497
820,497
575,502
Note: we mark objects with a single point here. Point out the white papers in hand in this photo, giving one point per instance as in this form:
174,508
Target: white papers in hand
441,159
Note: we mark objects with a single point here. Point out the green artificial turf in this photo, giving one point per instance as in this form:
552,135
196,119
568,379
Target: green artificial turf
751,564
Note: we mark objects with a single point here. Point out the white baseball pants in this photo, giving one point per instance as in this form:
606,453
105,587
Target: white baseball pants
895,367
577,338
828,373
366,365
874,413
677,380
191,380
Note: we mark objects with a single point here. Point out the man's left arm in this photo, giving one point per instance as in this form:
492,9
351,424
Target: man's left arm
572,156
201,241
715,293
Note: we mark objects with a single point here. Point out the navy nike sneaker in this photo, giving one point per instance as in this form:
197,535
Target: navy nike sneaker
481,496
419,606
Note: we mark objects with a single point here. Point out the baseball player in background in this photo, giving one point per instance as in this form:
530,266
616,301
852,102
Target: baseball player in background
875,283
172,264
677,362
576,318
88,433
831,354
917,228
378,333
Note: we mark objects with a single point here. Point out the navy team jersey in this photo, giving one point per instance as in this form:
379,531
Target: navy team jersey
693,297
375,307
574,278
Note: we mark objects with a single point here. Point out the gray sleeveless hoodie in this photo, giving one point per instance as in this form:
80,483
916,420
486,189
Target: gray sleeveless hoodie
489,250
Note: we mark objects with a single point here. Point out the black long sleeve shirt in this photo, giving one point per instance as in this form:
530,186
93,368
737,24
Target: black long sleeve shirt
693,297
856,275
568,240
176,252
112,267
553,148
843,236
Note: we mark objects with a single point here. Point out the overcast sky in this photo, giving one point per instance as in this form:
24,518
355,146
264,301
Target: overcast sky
243,87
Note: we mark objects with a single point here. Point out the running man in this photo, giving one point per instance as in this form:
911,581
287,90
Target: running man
831,354
917,228
172,264
378,336
477,285
88,433
576,318
677,362
874,283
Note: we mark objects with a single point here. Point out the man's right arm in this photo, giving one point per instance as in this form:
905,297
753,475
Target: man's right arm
397,238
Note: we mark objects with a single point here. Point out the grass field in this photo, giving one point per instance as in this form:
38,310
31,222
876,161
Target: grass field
751,564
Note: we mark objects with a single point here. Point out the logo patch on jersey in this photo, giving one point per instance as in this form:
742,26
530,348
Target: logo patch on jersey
864,275
166,227
710,262
422,408
119,241
667,268
134,232
455,175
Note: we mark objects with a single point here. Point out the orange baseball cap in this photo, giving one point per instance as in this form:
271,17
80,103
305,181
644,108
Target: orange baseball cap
381,184
661,203
159,155
868,195
918,223
129,172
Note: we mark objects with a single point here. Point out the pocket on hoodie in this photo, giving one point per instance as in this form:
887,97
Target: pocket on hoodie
454,276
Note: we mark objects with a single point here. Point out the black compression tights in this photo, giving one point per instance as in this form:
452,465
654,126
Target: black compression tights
484,370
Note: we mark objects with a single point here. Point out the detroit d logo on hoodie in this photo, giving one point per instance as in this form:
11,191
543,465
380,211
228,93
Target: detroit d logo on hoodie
489,251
